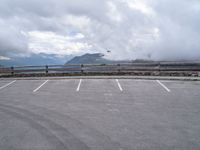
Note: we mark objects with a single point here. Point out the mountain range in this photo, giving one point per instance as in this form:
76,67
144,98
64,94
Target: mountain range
50,59
36,59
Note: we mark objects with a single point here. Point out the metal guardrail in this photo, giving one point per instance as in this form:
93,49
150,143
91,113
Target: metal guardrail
101,68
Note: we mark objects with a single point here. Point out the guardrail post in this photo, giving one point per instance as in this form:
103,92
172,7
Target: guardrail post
47,69
119,68
159,67
12,70
82,68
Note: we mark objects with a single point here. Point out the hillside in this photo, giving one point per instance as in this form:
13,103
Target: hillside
96,58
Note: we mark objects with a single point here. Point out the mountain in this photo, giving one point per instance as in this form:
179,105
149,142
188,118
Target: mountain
96,58
36,59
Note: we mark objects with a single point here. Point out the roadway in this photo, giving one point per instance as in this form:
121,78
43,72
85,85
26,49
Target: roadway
99,114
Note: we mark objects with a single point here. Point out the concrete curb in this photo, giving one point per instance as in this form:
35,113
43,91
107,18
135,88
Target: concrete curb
107,77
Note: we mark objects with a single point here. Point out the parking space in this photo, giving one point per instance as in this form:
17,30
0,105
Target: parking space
149,87
3,82
100,85
6,83
184,87
57,87
122,114
21,86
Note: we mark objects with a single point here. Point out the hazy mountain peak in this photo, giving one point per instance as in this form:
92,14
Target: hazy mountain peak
95,58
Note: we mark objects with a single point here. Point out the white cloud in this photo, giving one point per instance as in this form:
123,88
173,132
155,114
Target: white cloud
49,42
4,58
141,6
113,12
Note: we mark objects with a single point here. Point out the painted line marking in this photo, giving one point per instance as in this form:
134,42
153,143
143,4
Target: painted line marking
79,85
40,86
120,87
166,88
7,85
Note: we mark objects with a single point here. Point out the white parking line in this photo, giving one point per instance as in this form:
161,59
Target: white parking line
166,88
119,85
40,86
7,84
79,85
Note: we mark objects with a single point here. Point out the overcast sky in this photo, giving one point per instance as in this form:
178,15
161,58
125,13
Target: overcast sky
130,29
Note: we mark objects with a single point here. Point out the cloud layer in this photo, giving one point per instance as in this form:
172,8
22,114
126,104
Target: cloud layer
130,29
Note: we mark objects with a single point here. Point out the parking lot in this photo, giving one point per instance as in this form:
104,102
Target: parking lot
99,114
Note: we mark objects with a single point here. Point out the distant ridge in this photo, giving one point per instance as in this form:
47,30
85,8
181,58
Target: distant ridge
35,59
96,58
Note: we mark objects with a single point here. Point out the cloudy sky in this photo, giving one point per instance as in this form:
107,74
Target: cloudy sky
130,29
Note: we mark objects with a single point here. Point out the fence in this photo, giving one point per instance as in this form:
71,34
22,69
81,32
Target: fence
103,68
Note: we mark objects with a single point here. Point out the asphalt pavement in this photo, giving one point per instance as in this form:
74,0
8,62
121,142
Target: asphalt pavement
99,114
